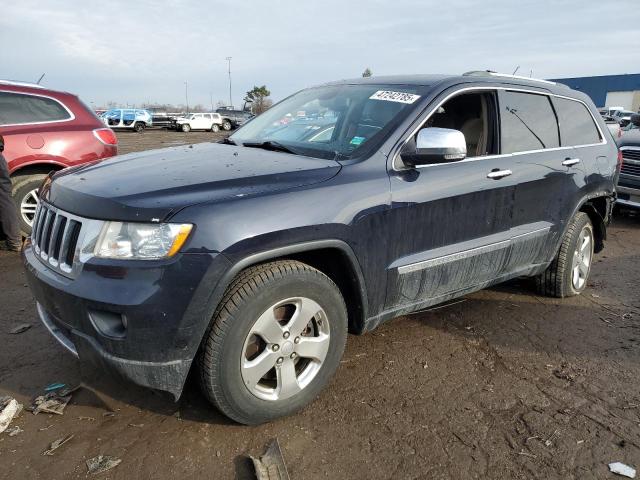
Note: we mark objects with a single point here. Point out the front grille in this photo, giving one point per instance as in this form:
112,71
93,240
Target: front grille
55,237
630,161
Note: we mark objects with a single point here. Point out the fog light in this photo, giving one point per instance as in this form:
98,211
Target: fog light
109,324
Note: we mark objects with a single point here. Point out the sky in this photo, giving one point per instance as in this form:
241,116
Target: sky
131,52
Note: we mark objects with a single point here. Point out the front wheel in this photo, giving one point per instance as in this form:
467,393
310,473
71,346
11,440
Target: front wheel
139,127
568,274
186,127
274,343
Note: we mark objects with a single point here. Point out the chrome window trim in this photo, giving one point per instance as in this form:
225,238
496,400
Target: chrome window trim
398,149
71,114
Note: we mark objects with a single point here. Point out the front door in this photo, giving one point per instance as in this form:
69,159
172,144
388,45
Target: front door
450,223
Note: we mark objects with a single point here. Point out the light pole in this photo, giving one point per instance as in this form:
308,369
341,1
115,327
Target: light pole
186,94
230,99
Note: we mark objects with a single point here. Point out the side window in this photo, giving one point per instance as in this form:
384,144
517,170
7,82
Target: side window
527,122
576,123
474,114
16,109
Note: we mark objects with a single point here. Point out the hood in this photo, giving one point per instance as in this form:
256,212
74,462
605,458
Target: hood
154,184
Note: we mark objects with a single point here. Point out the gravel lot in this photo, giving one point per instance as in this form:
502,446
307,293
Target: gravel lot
503,385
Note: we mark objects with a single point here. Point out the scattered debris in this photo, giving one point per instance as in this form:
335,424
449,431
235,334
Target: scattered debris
566,372
425,365
50,403
271,466
13,431
549,441
23,327
45,428
627,316
54,386
57,444
88,419
136,425
109,414
102,463
527,454
9,409
622,469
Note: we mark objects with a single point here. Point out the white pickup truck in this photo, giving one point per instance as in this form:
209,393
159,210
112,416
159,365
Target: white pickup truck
200,121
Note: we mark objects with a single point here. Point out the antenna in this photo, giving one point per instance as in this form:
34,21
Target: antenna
517,68
40,79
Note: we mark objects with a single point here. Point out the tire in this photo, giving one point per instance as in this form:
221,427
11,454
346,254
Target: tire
215,127
24,195
139,127
185,127
226,125
568,274
251,304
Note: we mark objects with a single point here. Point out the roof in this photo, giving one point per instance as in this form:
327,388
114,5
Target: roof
476,77
21,84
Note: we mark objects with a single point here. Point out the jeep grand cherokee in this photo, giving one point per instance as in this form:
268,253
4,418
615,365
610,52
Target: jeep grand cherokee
250,260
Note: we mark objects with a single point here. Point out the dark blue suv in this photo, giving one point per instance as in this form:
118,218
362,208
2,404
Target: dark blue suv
339,208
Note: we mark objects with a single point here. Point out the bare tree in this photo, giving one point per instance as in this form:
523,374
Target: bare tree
367,72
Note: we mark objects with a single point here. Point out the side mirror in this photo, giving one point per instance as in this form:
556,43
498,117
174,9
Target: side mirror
435,145
635,119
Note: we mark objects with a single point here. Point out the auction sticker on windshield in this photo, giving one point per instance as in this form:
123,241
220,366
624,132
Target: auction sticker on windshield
390,96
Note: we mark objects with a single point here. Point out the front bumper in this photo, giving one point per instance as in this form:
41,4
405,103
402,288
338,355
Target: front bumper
164,306
629,197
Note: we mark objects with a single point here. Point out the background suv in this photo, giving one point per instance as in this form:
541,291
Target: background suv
201,121
128,118
46,130
236,118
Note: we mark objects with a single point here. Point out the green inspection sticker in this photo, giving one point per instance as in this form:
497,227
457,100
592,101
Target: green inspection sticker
357,140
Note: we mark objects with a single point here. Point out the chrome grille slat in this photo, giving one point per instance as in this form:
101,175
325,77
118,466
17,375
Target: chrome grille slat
55,238
630,153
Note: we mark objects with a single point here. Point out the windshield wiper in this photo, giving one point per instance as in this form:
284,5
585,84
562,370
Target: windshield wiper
270,145
227,141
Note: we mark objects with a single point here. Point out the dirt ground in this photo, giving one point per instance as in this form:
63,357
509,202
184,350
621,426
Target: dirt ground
503,385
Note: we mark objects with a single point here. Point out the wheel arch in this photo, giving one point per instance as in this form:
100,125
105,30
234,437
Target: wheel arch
34,168
598,209
333,257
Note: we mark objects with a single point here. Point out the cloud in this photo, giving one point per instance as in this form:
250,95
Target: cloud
145,51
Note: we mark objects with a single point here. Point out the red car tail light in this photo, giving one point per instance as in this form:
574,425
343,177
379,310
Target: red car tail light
106,136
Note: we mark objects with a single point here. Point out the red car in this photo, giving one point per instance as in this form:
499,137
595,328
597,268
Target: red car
45,130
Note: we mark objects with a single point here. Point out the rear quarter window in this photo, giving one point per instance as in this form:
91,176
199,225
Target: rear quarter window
527,122
18,108
576,123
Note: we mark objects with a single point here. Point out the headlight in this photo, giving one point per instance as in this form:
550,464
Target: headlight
145,241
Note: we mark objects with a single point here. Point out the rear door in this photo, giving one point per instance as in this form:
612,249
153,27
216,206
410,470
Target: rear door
549,177
449,222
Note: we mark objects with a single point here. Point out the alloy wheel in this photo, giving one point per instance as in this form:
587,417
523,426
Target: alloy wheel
285,349
28,206
582,256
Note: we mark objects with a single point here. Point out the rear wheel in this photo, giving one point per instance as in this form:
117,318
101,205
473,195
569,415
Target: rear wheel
139,127
226,125
275,341
186,127
568,274
25,196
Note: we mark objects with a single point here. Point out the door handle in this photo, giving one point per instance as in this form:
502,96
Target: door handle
568,162
498,174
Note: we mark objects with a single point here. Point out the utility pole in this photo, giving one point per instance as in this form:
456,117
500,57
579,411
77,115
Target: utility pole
230,98
211,98
186,94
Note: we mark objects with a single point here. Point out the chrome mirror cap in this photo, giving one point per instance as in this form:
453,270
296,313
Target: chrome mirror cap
441,145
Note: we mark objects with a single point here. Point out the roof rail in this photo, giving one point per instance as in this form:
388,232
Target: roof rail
21,84
490,73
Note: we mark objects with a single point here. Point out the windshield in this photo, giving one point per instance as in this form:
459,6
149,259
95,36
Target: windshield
333,121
